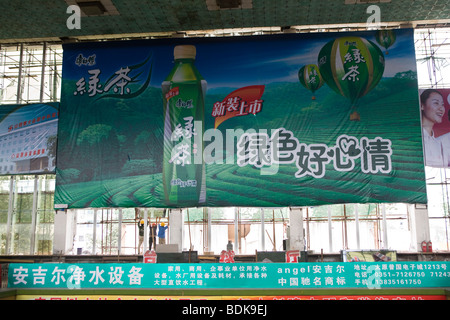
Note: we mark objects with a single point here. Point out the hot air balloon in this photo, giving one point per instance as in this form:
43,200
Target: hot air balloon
385,38
351,66
309,76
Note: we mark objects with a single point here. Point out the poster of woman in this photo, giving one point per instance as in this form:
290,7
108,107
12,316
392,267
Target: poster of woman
435,109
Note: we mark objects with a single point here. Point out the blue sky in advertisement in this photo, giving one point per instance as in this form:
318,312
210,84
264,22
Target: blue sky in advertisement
229,62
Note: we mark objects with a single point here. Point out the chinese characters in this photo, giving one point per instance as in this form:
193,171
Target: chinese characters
355,57
231,275
245,101
117,83
282,147
238,106
181,152
73,276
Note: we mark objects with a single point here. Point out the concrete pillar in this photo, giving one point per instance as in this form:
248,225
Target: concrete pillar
64,232
209,234
119,238
237,247
296,238
176,228
385,244
358,241
146,232
420,227
263,231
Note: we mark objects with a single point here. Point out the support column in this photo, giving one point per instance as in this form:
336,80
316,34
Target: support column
119,237
44,56
19,79
330,230
358,242
34,216
420,226
12,194
145,244
209,234
94,233
384,228
176,228
263,231
237,247
296,238
64,232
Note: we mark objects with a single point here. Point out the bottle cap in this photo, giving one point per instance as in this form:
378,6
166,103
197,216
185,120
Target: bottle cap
184,52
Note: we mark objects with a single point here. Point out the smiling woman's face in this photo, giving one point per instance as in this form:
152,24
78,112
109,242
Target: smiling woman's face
434,109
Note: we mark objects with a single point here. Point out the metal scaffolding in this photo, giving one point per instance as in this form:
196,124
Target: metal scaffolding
30,73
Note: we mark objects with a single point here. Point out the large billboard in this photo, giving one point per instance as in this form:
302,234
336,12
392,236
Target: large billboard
265,121
28,138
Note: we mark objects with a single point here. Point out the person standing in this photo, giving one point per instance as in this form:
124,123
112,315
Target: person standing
141,226
152,237
141,234
162,233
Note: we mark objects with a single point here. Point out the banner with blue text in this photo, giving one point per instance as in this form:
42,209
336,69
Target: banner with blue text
371,275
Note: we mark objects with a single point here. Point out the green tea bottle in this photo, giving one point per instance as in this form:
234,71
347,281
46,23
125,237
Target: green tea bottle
183,93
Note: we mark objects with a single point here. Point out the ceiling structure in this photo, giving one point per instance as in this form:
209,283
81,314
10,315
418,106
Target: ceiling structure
47,20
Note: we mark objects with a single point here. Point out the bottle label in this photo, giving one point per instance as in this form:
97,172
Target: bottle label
183,174
172,93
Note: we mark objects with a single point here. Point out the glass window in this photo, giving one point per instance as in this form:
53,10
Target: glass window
223,229
364,233
84,232
107,231
438,193
439,230
129,234
31,82
22,215
45,215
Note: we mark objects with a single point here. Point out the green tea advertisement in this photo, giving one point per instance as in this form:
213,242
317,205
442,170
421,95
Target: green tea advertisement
264,121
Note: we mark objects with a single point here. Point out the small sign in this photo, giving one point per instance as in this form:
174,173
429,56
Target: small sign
150,256
227,256
292,256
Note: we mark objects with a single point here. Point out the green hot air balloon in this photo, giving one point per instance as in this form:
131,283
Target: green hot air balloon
309,76
385,38
351,66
